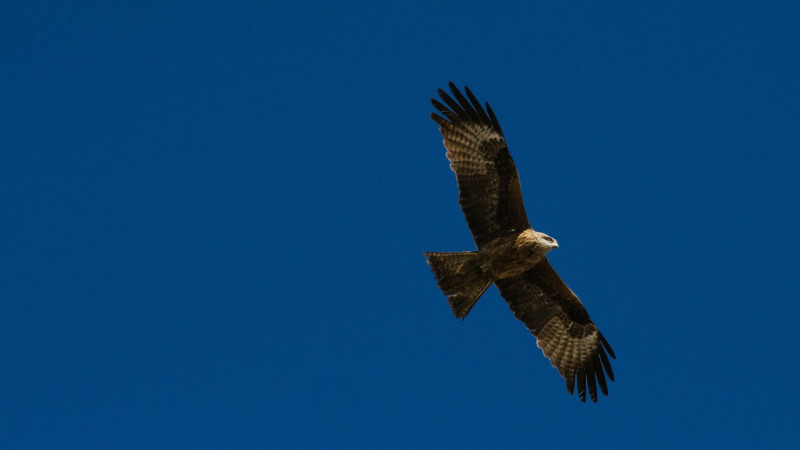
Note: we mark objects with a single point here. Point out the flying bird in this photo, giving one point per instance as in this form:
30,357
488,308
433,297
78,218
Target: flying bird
510,253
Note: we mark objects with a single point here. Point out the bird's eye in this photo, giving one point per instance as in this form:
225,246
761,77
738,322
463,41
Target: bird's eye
548,239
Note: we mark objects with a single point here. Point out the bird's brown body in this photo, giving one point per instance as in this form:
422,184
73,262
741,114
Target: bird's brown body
509,256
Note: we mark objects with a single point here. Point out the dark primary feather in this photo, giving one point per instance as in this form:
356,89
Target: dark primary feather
563,329
489,190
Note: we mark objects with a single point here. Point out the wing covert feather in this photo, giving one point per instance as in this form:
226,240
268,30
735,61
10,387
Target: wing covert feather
489,189
563,329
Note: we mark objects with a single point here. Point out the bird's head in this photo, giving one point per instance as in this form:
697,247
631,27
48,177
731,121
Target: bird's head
546,241
537,241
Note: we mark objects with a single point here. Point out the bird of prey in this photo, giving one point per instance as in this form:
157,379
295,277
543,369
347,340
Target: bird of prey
510,253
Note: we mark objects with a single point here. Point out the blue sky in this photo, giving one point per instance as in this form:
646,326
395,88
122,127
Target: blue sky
214,216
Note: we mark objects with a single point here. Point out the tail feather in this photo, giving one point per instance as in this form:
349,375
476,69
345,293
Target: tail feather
460,277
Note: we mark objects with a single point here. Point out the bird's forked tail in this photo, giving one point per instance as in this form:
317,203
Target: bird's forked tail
461,278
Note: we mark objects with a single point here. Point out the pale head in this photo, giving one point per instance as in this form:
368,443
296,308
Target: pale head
537,240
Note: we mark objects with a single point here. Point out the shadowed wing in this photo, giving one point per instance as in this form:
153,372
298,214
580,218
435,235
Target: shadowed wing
489,191
563,329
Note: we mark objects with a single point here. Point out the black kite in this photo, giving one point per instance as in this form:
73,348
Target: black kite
510,253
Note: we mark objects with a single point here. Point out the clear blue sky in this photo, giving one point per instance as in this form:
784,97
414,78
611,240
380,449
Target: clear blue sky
214,214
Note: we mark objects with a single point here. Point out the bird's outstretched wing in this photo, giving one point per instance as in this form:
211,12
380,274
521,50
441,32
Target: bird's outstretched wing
563,329
488,183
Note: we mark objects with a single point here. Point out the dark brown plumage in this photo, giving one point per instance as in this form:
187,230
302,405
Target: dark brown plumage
511,254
